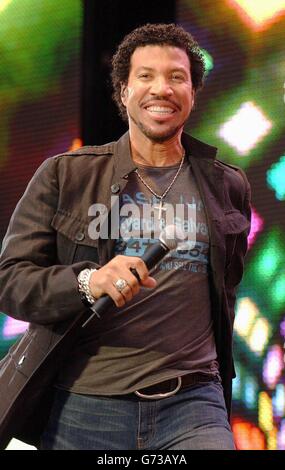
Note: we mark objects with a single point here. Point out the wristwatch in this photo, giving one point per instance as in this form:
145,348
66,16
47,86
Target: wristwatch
83,279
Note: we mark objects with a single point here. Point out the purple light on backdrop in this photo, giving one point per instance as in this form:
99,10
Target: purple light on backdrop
273,365
281,436
257,223
13,328
282,328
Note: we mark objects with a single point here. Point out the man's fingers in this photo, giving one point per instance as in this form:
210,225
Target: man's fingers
150,282
117,296
139,268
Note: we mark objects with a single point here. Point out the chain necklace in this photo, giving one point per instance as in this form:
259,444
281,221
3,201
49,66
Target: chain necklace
160,207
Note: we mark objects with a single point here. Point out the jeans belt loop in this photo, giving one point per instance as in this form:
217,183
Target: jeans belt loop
161,395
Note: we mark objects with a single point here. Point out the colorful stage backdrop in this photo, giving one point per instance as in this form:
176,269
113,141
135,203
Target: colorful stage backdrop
241,111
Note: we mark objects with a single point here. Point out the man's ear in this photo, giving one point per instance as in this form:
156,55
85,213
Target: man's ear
124,93
193,99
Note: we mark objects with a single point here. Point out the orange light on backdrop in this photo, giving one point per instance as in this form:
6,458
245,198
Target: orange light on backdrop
247,436
259,14
76,144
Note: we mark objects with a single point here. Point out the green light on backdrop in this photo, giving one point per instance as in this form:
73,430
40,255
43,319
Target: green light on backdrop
278,291
265,274
250,391
237,382
268,262
276,178
245,388
209,62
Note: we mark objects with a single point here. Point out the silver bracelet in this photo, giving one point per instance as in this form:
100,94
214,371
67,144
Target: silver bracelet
83,285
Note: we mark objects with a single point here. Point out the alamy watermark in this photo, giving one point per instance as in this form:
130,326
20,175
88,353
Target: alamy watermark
141,221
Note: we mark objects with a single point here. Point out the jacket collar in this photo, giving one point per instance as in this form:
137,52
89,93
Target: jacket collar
197,148
124,163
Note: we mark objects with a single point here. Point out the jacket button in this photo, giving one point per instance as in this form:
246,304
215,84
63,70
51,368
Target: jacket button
115,188
79,236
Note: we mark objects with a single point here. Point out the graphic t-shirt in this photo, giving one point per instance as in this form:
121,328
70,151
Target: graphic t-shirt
163,332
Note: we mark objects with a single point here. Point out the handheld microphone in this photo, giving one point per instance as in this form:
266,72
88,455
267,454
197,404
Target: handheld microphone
168,240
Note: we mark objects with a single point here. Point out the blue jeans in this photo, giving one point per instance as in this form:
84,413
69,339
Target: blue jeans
194,418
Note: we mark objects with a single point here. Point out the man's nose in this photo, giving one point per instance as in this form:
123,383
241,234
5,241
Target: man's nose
161,86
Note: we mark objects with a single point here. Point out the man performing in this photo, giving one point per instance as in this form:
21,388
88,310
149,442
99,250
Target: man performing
154,370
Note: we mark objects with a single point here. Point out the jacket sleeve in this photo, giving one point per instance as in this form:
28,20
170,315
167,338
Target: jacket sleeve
234,273
33,287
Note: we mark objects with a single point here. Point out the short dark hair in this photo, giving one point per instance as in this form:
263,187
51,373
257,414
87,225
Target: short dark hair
154,34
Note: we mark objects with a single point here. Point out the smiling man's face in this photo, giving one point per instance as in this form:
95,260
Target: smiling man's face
159,94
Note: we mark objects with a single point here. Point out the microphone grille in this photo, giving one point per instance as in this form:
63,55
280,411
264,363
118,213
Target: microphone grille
171,236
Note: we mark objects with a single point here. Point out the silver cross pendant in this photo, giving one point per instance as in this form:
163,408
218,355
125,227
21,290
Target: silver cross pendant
160,208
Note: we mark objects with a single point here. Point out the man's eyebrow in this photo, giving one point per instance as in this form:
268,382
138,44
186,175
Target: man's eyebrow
175,69
143,67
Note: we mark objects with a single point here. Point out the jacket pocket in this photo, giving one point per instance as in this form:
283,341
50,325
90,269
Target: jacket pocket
234,224
73,241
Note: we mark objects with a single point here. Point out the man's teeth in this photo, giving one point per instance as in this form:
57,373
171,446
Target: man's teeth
160,109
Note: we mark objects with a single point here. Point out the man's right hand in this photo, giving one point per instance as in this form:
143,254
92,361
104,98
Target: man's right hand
103,281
